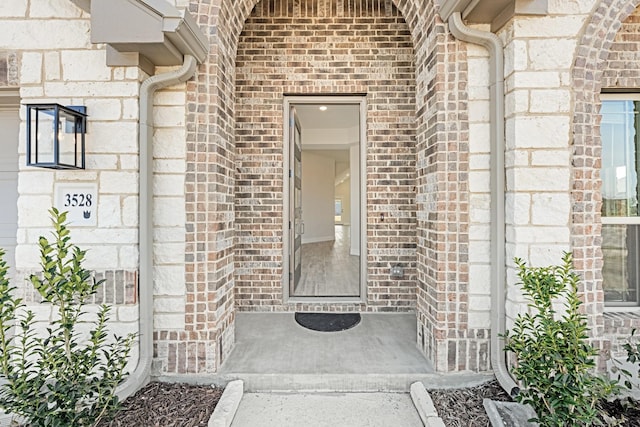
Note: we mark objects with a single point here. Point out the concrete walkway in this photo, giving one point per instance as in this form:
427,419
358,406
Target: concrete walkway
360,377
274,353
327,410
274,343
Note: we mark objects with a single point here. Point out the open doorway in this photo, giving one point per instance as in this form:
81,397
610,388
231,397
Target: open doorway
324,193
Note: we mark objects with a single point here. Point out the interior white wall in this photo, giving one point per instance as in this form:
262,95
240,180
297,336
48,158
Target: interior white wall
318,195
330,137
9,129
343,192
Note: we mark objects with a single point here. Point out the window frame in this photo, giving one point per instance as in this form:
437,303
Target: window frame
620,220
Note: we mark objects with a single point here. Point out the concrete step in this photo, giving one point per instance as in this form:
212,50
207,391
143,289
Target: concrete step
343,383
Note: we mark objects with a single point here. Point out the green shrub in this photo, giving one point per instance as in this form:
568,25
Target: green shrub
555,362
632,347
61,377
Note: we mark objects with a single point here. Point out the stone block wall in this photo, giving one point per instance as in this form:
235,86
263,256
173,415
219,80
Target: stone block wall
539,54
427,158
69,71
8,69
479,189
169,167
45,50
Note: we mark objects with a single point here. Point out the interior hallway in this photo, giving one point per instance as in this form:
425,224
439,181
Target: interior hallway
328,268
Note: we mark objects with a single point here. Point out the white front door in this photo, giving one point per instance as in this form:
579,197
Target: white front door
297,225
324,151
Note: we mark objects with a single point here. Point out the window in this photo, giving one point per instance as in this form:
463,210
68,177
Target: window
620,133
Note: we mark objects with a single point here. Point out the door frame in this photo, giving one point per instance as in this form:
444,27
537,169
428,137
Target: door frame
290,101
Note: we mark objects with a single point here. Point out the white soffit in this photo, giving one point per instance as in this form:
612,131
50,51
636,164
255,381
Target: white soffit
83,4
494,12
153,29
9,98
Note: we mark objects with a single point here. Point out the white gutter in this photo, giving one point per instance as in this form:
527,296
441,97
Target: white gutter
498,276
140,376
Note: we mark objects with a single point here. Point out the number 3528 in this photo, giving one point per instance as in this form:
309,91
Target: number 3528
79,199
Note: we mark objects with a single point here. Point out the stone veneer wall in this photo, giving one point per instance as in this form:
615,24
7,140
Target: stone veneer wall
69,70
537,158
316,47
8,69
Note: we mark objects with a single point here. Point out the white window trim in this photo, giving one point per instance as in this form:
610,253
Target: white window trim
620,96
613,306
621,220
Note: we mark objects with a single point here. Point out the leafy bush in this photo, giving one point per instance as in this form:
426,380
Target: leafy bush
555,363
632,347
62,377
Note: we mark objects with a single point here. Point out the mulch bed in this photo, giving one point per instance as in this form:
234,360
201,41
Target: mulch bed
168,405
463,407
624,410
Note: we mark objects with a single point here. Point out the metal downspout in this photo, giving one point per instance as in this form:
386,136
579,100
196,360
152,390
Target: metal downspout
498,275
140,376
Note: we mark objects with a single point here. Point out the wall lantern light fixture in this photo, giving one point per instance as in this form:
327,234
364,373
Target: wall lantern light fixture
55,136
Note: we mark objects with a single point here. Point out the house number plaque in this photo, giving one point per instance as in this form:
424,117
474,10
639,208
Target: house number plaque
80,200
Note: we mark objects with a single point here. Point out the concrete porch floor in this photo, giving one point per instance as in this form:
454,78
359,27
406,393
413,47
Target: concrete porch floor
274,353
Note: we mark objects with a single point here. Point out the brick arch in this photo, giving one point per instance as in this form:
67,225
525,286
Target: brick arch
309,47
415,12
441,190
591,56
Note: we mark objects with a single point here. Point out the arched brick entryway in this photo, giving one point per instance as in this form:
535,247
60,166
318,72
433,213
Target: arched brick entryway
586,230
308,48
441,189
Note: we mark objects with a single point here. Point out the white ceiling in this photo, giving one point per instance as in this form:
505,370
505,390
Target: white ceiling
340,156
331,131
337,116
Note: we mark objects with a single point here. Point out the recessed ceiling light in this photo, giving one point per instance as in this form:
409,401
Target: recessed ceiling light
323,108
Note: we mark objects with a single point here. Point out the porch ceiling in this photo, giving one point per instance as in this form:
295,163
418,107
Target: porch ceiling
494,12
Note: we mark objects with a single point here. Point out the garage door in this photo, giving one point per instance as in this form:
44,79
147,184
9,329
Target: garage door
9,129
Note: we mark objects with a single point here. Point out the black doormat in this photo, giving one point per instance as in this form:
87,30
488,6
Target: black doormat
328,322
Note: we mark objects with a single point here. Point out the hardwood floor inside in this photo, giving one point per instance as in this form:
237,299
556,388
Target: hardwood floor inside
328,268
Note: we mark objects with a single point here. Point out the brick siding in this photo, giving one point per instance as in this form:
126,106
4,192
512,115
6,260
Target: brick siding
120,287
422,142
614,68
598,65
316,47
